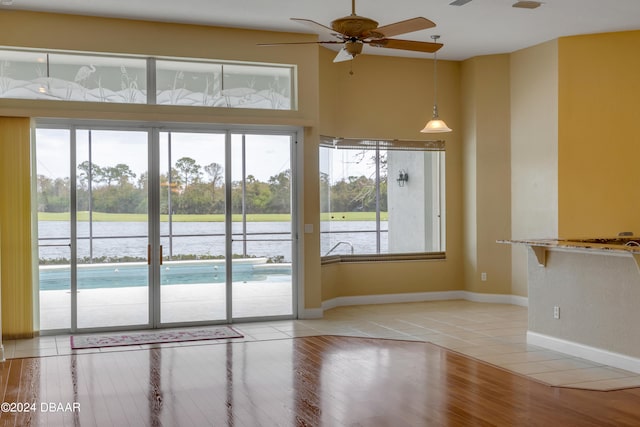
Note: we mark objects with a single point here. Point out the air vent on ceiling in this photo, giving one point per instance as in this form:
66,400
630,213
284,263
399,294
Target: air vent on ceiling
519,4
527,4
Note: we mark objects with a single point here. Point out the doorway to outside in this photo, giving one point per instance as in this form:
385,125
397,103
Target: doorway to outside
148,227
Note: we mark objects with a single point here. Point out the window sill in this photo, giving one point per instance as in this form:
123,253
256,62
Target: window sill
419,256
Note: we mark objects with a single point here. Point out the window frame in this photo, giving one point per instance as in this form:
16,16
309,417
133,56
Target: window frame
328,142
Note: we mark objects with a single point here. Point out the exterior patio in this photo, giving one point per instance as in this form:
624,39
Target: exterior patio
112,307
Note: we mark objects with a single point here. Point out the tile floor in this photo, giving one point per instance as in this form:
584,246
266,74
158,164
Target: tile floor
494,333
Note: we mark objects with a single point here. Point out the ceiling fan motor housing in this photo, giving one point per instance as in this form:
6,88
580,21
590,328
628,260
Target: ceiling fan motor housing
354,26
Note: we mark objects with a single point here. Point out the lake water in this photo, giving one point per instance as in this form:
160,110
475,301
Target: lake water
264,239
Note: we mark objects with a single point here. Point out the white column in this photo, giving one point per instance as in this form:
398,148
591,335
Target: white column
412,205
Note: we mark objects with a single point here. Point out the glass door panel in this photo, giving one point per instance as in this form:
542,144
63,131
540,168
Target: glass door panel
54,227
262,226
192,227
112,228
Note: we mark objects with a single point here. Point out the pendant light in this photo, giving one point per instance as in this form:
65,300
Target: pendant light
435,125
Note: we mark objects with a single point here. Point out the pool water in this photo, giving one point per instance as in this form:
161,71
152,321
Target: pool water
172,273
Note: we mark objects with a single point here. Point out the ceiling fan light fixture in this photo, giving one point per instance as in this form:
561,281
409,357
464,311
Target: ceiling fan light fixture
436,124
354,48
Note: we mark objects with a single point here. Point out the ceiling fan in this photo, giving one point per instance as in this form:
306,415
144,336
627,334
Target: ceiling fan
355,31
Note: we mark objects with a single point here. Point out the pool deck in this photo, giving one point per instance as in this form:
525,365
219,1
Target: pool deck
113,307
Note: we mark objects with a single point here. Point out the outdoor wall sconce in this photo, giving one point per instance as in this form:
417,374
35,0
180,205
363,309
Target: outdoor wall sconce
402,177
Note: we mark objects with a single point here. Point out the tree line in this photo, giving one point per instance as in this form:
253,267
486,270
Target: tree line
191,188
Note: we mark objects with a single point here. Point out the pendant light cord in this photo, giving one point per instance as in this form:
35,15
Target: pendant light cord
435,125
435,78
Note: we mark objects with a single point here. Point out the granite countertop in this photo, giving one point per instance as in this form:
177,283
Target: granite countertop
614,244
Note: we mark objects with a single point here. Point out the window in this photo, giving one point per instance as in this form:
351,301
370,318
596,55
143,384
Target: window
74,76
223,85
381,197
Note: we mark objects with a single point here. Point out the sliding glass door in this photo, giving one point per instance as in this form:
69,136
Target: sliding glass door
149,227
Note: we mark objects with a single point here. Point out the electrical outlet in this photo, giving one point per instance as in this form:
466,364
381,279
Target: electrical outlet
483,276
556,312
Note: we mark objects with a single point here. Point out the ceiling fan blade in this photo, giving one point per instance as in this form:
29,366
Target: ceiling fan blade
286,43
343,55
403,27
407,45
459,2
317,27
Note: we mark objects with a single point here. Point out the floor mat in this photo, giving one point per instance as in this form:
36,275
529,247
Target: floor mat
153,337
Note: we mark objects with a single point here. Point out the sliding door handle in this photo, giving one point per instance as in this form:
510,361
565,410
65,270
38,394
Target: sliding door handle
149,254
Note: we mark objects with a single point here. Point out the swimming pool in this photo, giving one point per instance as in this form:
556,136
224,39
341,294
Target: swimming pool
93,276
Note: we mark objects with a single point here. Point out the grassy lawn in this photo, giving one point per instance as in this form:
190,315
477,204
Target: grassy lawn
110,217
101,216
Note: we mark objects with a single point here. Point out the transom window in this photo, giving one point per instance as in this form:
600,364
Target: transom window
63,76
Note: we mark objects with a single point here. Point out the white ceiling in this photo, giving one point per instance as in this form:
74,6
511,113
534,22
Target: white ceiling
480,27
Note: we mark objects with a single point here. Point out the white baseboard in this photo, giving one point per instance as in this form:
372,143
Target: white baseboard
496,298
421,297
2,359
518,300
594,354
310,313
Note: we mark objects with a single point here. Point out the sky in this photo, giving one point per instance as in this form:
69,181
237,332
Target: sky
267,155
341,164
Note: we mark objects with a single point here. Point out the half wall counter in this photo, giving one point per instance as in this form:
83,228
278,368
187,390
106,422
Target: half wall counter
584,298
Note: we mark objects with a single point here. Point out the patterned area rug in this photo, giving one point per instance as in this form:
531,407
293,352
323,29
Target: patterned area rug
153,337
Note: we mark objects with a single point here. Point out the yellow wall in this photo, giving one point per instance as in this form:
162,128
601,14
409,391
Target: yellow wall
311,215
15,227
532,164
331,281
534,152
387,97
486,169
393,98
599,142
358,279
